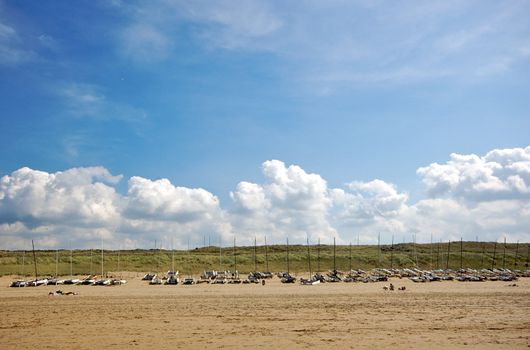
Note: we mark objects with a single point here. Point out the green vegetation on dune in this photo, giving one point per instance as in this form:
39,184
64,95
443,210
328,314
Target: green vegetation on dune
424,256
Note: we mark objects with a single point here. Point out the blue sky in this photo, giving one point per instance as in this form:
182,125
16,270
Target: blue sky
203,93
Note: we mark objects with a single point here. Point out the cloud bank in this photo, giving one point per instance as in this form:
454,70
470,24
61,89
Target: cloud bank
468,196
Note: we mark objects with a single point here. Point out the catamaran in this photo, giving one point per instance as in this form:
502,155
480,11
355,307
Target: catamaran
334,275
311,281
285,277
188,280
172,276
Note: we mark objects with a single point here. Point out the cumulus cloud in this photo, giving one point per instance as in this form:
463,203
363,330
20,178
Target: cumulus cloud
79,196
81,206
378,197
291,203
469,195
365,209
160,200
500,174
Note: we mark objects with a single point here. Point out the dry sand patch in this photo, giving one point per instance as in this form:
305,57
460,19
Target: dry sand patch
488,315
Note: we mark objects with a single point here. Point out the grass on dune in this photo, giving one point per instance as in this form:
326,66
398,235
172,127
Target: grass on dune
424,256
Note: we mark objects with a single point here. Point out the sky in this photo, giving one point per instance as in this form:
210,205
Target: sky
136,121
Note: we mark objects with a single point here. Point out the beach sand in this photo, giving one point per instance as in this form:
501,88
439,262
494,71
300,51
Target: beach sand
437,315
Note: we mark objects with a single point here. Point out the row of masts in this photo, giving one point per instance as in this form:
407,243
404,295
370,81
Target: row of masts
71,261
350,257
435,252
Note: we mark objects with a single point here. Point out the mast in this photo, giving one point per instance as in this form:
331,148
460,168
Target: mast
494,260
102,256
56,263
71,263
24,262
220,253
527,255
483,254
504,254
91,261
288,267
318,255
266,255
159,255
309,259
16,261
156,262
378,249
172,256
334,256
255,261
189,259
516,255
34,261
392,253
235,256
461,253
448,253
431,252
119,251
415,252
438,254
350,257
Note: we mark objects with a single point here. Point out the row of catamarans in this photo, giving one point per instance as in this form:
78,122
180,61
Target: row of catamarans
91,280
354,275
210,277
417,275
332,276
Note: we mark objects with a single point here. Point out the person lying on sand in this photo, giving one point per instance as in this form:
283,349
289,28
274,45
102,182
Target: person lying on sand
60,292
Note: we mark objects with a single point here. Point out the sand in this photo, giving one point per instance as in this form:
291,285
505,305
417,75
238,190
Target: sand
437,315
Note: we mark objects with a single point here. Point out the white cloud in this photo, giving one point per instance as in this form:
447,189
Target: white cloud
12,51
469,195
379,197
78,196
250,198
145,42
81,205
500,174
340,43
91,102
6,32
367,209
153,31
291,203
160,200
230,25
83,100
